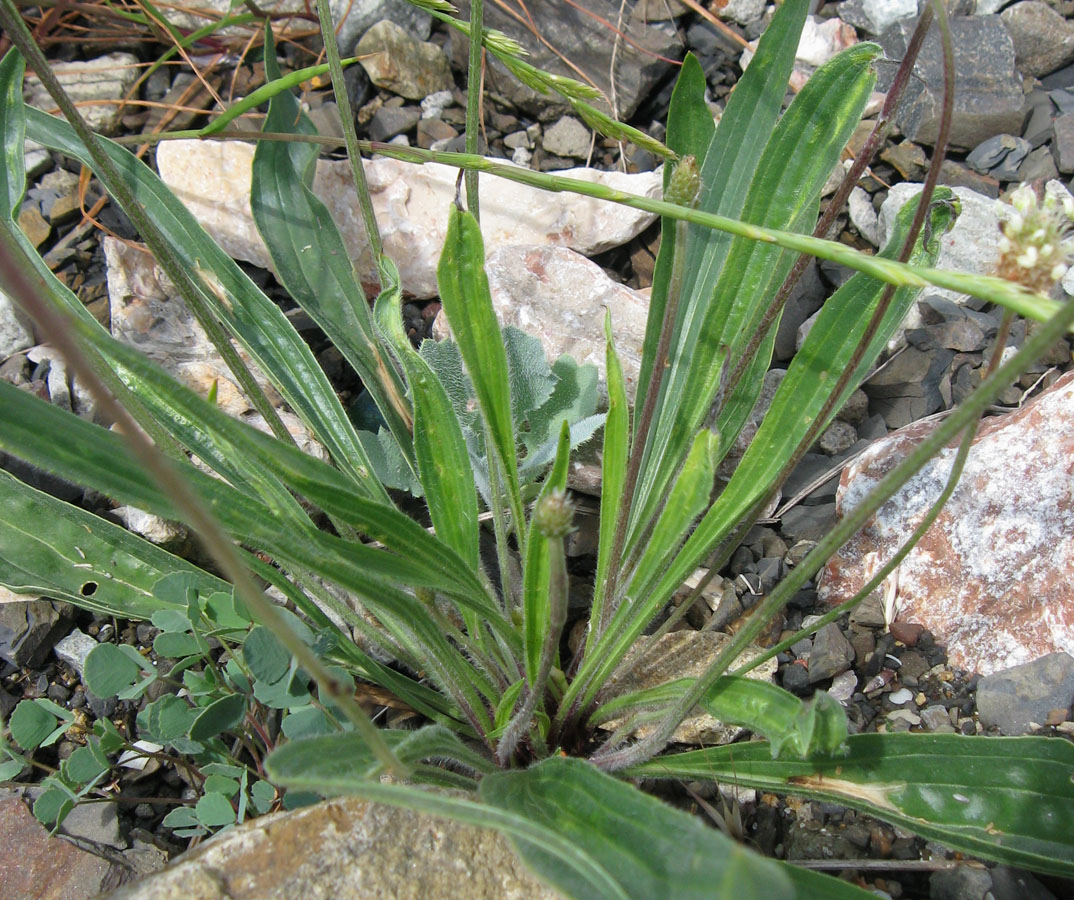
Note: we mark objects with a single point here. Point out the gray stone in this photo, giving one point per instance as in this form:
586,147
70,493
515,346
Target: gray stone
432,132
361,15
989,98
567,137
959,883
578,35
397,62
1000,156
97,823
36,159
346,849
1063,146
936,718
874,16
1038,127
1043,40
837,438
26,628
1016,884
805,299
831,654
16,330
1013,699
808,523
388,121
74,649
811,467
964,335
107,78
1038,166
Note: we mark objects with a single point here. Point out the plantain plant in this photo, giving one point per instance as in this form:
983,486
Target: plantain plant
479,650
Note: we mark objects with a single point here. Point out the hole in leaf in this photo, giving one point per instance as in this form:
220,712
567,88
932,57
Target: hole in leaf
89,589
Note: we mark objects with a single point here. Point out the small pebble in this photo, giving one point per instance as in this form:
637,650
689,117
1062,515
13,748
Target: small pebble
796,680
901,696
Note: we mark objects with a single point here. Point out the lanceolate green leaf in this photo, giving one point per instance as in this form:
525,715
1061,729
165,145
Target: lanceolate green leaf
50,547
310,258
652,850
689,498
810,379
1006,799
783,194
464,291
795,728
334,760
439,446
255,320
690,129
613,470
98,458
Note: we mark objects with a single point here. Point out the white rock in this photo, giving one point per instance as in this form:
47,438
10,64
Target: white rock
901,696
881,13
74,649
742,11
411,205
820,41
105,78
152,528
59,390
148,314
972,246
863,215
823,39
435,104
16,330
559,296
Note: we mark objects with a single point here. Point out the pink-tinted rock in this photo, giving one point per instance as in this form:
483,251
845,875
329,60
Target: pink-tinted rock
35,866
991,579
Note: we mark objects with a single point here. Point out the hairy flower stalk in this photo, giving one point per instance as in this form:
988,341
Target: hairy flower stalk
552,520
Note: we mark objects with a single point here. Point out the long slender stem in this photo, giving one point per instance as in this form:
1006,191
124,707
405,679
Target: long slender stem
991,288
188,288
474,85
350,136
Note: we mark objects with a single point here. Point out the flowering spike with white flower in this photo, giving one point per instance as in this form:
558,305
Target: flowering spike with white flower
1037,245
